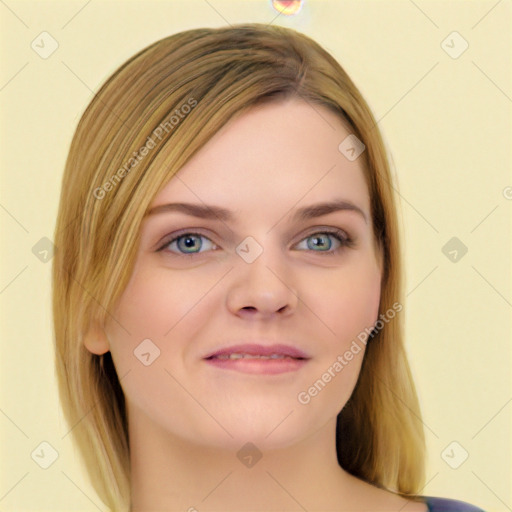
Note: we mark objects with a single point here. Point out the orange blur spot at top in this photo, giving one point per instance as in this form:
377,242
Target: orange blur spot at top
287,7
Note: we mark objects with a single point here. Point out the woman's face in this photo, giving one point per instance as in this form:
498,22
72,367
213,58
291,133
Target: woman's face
260,275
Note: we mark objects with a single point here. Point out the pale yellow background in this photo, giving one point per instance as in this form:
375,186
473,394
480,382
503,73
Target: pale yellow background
447,124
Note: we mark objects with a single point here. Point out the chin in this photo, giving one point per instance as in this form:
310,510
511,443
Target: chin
265,431
253,440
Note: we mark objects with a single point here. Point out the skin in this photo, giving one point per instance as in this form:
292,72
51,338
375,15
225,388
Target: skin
188,419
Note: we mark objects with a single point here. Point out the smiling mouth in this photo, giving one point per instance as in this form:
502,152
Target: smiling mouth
256,364
253,356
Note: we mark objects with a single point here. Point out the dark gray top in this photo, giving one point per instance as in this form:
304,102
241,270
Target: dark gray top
448,505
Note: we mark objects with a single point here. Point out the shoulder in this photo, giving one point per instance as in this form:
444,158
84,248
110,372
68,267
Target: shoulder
448,505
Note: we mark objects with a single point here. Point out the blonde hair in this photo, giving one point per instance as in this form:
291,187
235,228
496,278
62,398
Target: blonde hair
109,183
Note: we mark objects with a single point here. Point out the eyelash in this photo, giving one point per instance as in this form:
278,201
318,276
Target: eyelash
338,234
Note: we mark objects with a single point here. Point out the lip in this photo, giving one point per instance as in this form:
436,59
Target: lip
255,349
295,359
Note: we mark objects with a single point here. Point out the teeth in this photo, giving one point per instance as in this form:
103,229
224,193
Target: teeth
249,356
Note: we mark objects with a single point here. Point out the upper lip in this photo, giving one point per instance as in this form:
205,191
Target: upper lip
255,349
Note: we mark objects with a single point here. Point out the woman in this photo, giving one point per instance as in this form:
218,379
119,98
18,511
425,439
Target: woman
228,288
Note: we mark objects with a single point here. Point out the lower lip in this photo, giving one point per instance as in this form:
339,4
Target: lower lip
259,366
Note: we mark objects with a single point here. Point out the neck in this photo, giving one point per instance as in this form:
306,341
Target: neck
171,473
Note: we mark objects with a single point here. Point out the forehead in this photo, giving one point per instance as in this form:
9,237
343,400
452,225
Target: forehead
272,156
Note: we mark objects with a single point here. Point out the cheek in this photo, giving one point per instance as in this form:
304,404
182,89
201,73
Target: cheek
145,311
348,309
359,304
164,307
349,303
153,302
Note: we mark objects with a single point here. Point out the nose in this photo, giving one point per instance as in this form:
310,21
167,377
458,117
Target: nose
263,288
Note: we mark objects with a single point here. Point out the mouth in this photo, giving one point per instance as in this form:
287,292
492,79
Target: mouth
259,359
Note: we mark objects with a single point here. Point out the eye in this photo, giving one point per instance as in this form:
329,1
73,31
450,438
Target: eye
322,240
187,243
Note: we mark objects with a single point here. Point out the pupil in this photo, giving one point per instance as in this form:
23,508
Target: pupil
189,241
318,239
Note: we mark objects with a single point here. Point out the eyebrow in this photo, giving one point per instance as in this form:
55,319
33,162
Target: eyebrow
204,211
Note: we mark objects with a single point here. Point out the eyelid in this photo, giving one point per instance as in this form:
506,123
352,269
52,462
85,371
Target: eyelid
177,234
332,230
